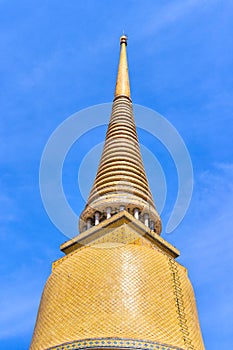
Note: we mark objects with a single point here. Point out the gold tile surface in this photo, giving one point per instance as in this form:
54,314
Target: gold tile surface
128,291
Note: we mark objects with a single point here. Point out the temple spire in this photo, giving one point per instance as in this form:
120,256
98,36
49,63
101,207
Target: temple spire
119,285
122,83
121,182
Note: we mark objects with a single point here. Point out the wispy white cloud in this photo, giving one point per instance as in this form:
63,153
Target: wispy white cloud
171,13
212,214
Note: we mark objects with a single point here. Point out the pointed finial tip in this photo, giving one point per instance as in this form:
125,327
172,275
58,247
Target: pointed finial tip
123,39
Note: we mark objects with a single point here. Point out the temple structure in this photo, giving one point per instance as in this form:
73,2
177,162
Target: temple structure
118,285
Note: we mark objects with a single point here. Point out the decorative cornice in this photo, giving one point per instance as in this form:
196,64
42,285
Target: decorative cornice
113,343
89,236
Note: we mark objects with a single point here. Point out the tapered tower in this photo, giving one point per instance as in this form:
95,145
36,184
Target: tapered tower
118,285
121,182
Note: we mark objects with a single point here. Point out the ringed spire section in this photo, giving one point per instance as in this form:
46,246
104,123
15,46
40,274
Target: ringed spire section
121,182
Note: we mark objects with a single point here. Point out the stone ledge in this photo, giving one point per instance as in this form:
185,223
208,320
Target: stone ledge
119,219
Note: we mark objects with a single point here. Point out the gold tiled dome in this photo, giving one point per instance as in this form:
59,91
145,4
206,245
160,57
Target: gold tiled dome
132,291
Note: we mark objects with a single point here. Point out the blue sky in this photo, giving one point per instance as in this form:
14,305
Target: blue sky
59,57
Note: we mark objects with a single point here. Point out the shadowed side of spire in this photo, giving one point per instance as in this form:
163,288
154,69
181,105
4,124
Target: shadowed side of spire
122,83
121,182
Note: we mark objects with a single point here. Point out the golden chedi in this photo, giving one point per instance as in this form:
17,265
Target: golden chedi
118,285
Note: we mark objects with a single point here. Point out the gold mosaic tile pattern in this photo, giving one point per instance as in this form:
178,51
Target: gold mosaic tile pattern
125,291
192,320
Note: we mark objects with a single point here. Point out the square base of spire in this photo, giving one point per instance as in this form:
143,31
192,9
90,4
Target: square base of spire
121,228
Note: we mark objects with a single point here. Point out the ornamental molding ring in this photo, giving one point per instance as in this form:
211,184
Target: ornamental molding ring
113,343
